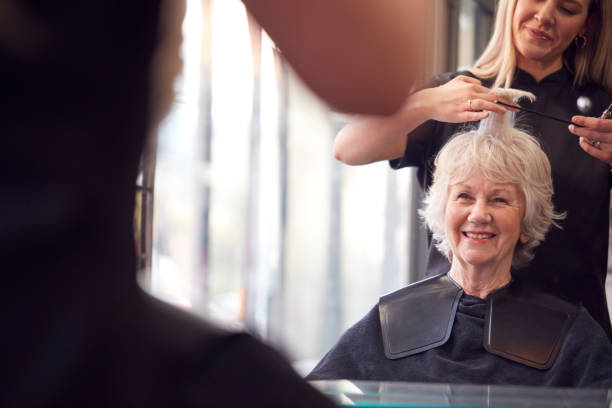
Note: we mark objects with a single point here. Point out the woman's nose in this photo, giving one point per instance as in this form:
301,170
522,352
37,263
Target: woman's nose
479,213
545,15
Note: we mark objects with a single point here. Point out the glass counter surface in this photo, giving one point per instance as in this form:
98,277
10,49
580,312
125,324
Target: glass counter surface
400,394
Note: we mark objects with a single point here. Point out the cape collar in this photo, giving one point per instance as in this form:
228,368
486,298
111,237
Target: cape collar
521,324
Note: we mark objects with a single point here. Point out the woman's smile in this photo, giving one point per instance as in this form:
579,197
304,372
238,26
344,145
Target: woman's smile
478,236
538,34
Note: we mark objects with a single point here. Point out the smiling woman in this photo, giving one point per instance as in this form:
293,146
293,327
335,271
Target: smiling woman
482,226
542,31
489,206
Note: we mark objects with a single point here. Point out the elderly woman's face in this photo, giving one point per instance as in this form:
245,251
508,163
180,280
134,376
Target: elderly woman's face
543,29
483,221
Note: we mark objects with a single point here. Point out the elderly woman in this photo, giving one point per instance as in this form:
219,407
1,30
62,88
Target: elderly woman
489,206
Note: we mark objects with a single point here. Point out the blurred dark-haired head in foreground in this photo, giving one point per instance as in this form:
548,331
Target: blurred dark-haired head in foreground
82,84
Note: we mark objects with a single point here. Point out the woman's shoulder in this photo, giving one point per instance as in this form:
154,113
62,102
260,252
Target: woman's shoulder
594,89
588,348
420,287
585,326
358,347
598,96
367,327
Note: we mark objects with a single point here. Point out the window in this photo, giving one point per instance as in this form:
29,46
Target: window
255,224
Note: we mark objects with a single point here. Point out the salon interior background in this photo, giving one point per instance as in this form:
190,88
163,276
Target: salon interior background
243,214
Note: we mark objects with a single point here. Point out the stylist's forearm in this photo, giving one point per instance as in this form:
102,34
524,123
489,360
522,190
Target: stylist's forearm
368,139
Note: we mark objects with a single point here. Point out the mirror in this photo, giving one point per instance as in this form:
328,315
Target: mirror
262,228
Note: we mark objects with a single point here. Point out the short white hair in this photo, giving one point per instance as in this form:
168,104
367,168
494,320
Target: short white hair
503,154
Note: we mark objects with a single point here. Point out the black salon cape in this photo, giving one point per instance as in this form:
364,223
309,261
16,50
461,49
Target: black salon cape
75,329
572,262
585,359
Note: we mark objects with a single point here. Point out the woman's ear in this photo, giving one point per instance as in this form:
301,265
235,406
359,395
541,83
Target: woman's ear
524,238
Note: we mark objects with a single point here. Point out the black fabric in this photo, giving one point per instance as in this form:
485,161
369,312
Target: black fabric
76,329
521,324
572,262
585,359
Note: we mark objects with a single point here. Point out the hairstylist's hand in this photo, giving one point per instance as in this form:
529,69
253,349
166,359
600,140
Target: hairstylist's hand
595,136
463,99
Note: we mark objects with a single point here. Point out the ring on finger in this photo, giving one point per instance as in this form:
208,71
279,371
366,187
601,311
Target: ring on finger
596,144
469,104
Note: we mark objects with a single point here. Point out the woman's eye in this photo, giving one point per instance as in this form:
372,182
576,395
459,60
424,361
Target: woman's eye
568,11
500,200
463,196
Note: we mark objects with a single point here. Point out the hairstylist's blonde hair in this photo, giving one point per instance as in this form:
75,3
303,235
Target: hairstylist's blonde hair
593,63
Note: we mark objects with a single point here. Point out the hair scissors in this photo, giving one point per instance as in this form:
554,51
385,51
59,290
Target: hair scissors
607,114
545,115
